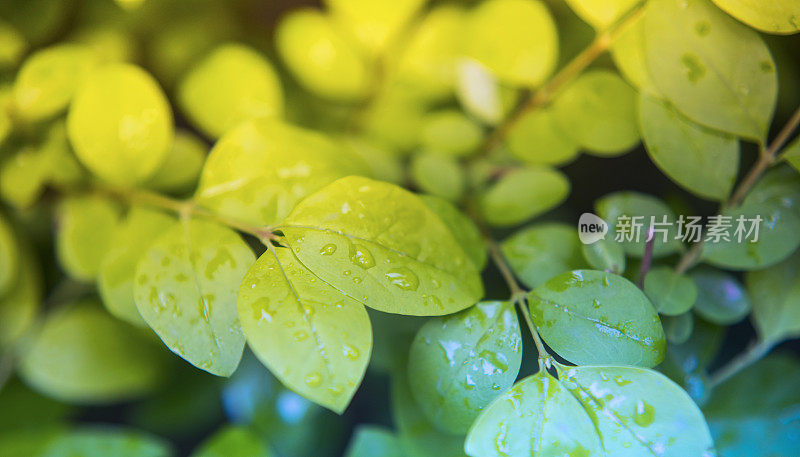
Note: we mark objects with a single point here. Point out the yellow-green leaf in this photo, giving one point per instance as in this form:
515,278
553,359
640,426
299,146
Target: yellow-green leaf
19,305
522,194
85,227
313,337
375,25
381,245
775,293
181,169
9,255
185,289
438,174
601,13
776,16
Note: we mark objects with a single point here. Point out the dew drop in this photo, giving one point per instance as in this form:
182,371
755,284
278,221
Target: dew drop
693,67
328,249
403,278
361,257
350,352
644,414
300,335
313,379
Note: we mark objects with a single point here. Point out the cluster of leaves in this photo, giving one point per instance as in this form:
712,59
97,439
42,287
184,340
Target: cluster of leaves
360,162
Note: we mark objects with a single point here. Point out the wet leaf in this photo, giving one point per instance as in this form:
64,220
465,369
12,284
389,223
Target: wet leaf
120,124
523,193
185,289
780,16
775,294
542,251
713,69
463,229
526,23
374,441
230,85
128,243
233,441
537,417
81,354
639,412
460,363
589,316
314,338
598,110
699,159
721,299
670,292
259,171
86,225
620,208
383,246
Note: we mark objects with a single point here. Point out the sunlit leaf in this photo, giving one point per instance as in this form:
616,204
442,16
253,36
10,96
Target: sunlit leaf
185,289
537,139
374,24
463,229
260,170
232,84
314,338
127,245
779,16
590,316
540,252
526,23
86,225
523,193
537,417
451,132
381,245
601,13
438,174
458,364
383,163
81,354
120,124
699,159
181,169
713,69
233,441
598,110
671,292
19,305
9,255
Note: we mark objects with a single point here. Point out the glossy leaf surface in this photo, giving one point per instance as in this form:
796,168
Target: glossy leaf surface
542,251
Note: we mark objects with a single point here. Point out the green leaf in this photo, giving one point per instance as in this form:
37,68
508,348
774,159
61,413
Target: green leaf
460,363
672,293
647,209
438,175
779,16
383,164
19,305
463,229
590,316
120,124
638,412
713,69
128,243
775,294
522,194
373,441
678,329
776,201
537,417
313,337
721,299
374,25
598,110
542,251
102,442
13,46
383,246
49,78
86,225
233,441
419,437
526,23
23,176
537,139
9,255
754,413
259,171
601,13
230,85
342,74
185,289
81,354
181,169
629,56
451,132
605,254
699,159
